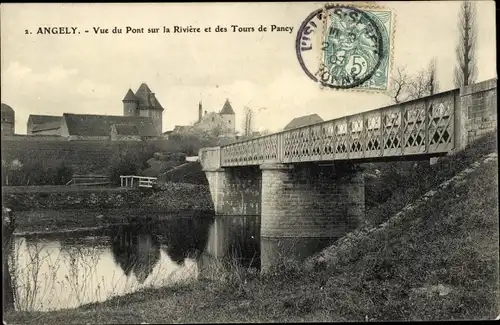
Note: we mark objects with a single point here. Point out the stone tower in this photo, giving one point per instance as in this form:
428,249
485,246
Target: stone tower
8,120
228,115
130,104
144,103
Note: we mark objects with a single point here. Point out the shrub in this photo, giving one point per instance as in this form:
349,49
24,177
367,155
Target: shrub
123,164
36,172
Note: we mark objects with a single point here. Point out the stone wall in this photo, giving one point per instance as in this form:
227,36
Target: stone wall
479,101
170,197
86,198
236,191
179,197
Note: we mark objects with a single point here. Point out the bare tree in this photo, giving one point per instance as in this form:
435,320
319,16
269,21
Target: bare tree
405,87
465,71
248,121
400,82
418,85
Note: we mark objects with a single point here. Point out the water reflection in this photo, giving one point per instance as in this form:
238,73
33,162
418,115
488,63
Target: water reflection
135,252
64,271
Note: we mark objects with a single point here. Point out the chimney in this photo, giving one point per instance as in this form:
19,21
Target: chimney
200,112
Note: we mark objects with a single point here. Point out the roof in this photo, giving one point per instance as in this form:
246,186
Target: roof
100,125
6,108
227,109
130,96
126,129
47,126
211,115
181,128
41,119
147,99
303,121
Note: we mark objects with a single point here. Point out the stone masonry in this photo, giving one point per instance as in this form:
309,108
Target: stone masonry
235,191
479,101
306,207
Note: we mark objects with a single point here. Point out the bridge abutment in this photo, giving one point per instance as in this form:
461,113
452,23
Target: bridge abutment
305,207
236,194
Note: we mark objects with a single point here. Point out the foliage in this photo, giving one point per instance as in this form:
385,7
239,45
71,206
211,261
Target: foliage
405,87
126,163
188,143
36,172
248,122
466,70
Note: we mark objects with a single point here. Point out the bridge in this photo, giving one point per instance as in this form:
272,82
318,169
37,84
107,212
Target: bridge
305,183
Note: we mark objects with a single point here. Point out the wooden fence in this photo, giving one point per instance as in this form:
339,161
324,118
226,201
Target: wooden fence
137,181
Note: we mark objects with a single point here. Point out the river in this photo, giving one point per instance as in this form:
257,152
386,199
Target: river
68,270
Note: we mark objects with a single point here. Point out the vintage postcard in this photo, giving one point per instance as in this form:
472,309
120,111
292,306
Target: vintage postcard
249,162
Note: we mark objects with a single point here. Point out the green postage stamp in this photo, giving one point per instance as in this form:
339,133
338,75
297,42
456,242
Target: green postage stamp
347,46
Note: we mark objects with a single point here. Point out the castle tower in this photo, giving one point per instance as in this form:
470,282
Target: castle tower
8,120
228,115
130,104
149,106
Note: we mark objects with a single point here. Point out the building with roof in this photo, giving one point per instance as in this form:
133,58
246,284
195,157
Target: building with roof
144,103
303,121
44,125
141,120
121,132
8,120
220,123
99,127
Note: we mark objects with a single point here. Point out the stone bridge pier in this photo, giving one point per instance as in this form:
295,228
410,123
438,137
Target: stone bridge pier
302,207
306,206
236,194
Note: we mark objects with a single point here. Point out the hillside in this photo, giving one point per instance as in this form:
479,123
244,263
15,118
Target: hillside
400,183
439,262
190,172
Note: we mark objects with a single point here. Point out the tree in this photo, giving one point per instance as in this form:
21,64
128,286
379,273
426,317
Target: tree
465,71
399,85
248,121
433,85
405,87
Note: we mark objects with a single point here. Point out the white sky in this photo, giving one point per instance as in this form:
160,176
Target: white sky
87,73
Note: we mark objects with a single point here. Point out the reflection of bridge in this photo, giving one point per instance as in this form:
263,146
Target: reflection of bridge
304,182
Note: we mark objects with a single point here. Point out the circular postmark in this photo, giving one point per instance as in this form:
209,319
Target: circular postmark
340,46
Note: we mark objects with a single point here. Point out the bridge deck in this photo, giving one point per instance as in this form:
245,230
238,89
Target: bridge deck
423,126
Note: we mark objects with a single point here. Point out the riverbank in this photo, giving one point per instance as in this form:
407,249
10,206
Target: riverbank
69,220
63,209
438,263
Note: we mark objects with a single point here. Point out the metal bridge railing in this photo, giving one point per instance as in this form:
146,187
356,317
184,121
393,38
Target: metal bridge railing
421,126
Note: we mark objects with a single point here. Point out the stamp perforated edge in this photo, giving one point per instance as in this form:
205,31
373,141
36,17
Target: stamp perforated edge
362,5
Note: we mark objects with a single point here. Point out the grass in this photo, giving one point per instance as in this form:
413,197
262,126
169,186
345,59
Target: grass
440,263
401,183
451,243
